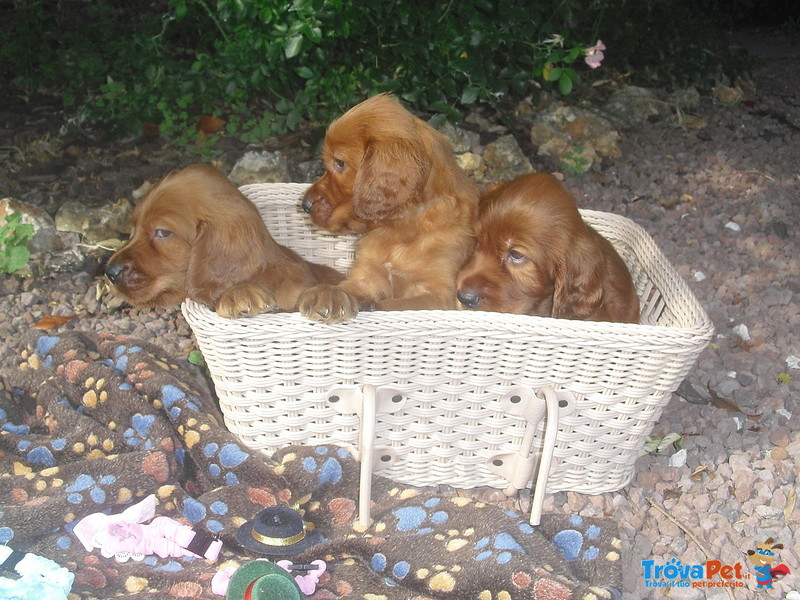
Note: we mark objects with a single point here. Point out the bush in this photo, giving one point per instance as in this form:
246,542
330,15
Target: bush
266,66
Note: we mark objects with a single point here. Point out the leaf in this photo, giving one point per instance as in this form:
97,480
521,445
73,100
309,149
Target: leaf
196,358
469,96
52,321
293,45
565,84
209,125
554,74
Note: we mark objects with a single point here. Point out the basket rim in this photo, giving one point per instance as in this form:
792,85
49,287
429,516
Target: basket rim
459,321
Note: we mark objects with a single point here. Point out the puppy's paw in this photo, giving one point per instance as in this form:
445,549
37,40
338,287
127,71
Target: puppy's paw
328,303
245,300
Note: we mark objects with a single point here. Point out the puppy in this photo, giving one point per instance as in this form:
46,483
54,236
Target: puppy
392,177
195,235
535,255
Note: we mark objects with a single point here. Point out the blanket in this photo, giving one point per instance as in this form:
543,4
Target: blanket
93,424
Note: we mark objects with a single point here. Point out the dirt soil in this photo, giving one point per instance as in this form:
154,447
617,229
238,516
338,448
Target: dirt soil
721,200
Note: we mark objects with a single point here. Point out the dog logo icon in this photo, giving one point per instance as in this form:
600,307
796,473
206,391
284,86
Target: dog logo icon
762,558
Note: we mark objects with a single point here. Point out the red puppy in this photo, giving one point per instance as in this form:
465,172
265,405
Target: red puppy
195,235
535,255
393,177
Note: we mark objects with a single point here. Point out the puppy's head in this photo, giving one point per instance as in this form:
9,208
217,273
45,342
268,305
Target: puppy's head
193,234
528,250
377,159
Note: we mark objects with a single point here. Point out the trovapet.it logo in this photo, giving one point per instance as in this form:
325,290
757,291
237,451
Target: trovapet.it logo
716,574
710,574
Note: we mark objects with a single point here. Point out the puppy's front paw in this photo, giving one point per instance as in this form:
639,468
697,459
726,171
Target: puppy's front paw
328,303
245,300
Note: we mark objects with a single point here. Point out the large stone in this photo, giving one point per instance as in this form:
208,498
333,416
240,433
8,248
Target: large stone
260,167
632,105
95,223
505,157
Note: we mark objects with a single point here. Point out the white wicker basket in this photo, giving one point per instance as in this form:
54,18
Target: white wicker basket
457,397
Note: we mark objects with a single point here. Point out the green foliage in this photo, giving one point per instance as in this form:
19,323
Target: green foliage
266,66
14,236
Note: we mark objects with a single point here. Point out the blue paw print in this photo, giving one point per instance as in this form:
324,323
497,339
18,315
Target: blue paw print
175,401
86,483
43,346
139,431
500,546
121,362
328,468
228,457
571,541
11,427
195,511
412,518
6,533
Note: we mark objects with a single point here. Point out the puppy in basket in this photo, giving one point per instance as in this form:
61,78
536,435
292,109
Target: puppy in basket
394,178
535,255
195,235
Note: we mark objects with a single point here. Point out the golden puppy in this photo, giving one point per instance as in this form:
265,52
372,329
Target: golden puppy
535,255
393,177
195,235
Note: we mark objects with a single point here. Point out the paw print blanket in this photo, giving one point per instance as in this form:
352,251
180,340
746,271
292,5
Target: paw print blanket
93,424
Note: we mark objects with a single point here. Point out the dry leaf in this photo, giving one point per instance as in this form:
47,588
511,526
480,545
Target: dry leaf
208,125
791,500
150,129
52,321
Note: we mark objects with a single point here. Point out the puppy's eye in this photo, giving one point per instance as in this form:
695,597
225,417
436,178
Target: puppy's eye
161,233
515,256
339,165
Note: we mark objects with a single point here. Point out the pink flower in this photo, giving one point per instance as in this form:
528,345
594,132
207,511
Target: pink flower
594,55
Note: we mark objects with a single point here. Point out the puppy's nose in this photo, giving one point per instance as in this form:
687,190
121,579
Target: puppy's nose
114,271
469,298
307,204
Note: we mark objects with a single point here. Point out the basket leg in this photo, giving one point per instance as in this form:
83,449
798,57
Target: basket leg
550,433
366,451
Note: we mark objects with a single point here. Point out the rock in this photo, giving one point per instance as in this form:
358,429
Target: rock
685,99
461,139
574,137
473,164
505,156
595,131
632,105
310,170
95,224
65,261
693,392
780,436
727,95
260,167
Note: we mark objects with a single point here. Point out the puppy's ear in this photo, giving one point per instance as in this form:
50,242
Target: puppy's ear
392,175
579,288
226,251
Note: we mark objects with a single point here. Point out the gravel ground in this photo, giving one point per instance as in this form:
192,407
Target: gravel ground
722,202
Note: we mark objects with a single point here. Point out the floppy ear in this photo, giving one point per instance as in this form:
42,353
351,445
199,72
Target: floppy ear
392,175
225,252
579,288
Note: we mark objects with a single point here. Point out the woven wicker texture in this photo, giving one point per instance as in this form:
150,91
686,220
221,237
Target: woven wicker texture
457,394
